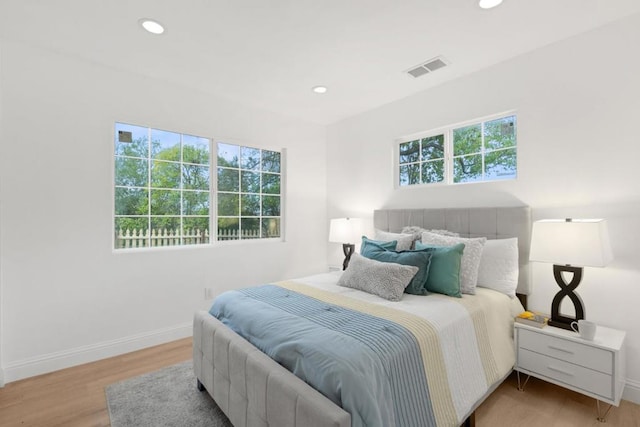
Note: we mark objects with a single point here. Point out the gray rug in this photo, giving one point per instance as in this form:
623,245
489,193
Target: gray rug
168,397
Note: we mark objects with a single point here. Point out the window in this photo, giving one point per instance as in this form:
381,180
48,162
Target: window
249,200
163,195
481,151
422,160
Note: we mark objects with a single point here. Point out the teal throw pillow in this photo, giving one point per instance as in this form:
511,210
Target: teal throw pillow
444,272
390,245
420,259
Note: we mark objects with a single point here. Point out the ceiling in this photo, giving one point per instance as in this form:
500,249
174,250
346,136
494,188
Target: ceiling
270,53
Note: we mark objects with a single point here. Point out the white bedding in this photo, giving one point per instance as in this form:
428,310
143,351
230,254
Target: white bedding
455,328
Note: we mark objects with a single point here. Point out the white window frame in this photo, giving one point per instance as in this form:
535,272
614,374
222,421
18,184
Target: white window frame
447,131
213,192
214,172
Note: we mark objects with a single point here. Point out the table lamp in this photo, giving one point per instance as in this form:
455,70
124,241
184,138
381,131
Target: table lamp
570,244
346,231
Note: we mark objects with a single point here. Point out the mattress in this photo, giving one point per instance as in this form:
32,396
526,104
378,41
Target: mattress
467,347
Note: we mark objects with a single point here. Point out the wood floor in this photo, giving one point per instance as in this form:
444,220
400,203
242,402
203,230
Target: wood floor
75,396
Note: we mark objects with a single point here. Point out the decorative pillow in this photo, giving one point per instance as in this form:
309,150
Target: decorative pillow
384,279
416,232
470,258
405,241
499,266
390,245
444,271
420,259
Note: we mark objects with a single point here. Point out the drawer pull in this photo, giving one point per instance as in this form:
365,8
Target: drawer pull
559,370
560,349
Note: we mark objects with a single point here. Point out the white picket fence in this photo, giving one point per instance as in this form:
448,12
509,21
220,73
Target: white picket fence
164,237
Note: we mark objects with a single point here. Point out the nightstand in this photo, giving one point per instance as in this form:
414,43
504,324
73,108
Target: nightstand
594,368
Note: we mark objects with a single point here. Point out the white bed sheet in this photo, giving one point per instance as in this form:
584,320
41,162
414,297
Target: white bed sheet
450,316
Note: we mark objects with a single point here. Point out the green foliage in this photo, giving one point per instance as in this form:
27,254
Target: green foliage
250,205
228,179
249,185
166,180
228,155
409,152
179,192
498,151
252,226
432,147
132,201
138,148
195,203
129,223
165,202
196,154
250,182
131,172
270,227
426,158
410,174
271,205
249,158
270,161
270,183
433,171
228,204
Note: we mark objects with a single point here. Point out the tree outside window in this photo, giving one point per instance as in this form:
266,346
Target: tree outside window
163,190
483,151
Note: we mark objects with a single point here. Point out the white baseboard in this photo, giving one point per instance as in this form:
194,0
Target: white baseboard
1,377
632,391
77,356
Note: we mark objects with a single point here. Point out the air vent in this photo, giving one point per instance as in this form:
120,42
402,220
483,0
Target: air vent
431,65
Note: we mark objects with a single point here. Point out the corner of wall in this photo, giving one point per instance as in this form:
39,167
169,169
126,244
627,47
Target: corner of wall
632,391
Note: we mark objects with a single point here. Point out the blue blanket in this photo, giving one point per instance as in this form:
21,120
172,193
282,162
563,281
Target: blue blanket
369,366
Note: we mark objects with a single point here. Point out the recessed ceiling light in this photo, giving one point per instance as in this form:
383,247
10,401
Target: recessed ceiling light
488,4
154,27
319,89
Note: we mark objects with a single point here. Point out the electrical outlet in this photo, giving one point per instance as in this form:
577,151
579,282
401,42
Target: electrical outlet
208,293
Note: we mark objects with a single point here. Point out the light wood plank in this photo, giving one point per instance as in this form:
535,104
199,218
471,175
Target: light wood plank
75,396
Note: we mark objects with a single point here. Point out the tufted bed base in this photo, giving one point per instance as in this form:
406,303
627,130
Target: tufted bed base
252,389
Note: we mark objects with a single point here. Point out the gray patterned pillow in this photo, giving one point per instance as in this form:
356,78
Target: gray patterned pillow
470,257
384,279
417,231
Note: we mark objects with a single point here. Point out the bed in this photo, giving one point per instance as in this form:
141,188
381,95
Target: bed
254,390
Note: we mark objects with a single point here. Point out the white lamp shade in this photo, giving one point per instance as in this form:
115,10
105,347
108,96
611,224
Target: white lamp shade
578,242
345,230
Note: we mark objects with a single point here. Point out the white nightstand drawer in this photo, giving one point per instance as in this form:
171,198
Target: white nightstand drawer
565,372
580,354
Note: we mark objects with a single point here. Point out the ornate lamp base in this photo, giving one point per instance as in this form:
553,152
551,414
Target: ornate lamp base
566,290
348,250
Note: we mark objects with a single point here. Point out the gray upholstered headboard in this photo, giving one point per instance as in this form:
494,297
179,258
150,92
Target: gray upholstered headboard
492,223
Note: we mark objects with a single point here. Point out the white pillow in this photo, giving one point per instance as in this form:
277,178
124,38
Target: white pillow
470,257
405,241
384,279
499,266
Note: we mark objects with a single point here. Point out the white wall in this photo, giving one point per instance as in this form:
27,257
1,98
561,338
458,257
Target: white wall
67,297
1,313
578,104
